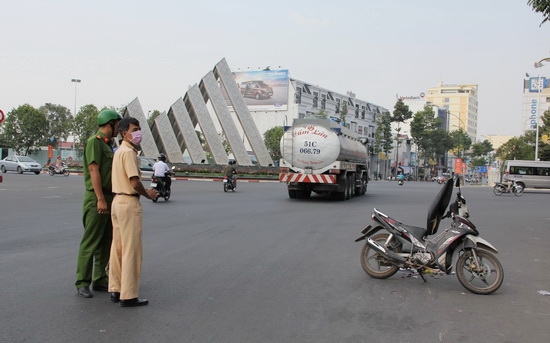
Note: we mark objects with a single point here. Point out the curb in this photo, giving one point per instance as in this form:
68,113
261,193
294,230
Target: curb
190,178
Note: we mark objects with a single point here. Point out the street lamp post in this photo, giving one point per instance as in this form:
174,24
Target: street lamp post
538,64
397,150
76,82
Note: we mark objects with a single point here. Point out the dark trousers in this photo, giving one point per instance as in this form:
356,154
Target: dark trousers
95,246
167,182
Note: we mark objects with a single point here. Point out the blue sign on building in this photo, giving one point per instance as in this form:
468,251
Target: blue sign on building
534,84
481,169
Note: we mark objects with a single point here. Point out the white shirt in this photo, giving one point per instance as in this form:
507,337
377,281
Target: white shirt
160,168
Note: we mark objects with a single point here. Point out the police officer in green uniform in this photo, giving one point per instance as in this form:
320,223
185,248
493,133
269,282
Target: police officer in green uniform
93,254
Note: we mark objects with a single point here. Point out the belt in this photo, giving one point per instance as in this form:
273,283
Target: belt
105,191
129,195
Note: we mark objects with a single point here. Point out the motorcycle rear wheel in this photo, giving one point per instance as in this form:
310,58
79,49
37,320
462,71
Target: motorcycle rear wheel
66,172
497,190
486,281
225,187
374,264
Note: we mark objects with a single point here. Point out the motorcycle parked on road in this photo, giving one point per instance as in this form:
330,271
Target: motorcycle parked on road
53,170
512,187
391,245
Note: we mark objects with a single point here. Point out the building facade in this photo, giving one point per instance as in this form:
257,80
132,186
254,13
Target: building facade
462,104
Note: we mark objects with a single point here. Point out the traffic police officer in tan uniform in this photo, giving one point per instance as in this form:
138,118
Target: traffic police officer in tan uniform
126,213
93,254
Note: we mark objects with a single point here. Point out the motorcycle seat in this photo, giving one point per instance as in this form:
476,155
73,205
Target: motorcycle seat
416,231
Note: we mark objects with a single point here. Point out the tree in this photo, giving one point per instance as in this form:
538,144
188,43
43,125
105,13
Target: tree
85,124
518,148
433,142
272,140
460,142
382,136
343,112
25,129
152,117
544,138
541,6
478,162
60,122
321,114
225,143
401,112
421,127
482,149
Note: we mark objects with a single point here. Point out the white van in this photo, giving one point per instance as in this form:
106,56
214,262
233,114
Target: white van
529,174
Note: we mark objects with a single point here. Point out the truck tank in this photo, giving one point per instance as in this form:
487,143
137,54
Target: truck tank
317,143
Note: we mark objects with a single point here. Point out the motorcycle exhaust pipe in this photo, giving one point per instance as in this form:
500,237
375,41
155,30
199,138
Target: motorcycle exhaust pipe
390,255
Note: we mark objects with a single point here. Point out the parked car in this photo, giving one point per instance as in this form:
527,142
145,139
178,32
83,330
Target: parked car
257,89
146,167
20,164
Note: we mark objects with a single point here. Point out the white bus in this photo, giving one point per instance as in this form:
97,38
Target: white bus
529,174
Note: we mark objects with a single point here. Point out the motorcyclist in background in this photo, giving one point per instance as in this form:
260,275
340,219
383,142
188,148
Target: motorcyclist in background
229,171
161,170
58,164
400,178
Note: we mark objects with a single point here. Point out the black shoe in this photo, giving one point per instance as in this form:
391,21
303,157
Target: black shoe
84,292
133,302
115,297
100,288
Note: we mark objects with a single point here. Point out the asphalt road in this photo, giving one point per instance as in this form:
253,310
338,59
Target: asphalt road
255,266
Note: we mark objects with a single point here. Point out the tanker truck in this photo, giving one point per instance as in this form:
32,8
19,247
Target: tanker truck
323,157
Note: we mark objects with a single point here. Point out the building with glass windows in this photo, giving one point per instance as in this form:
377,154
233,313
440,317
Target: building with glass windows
461,103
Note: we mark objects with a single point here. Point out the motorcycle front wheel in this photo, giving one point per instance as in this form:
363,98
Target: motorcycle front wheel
483,280
518,191
498,190
225,187
376,265
51,172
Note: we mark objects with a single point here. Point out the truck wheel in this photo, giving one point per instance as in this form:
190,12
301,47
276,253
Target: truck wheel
360,190
303,194
352,185
348,187
292,194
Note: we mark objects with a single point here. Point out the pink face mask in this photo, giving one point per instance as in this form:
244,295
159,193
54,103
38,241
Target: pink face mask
136,137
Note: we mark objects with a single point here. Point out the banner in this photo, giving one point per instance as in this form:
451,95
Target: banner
262,90
458,165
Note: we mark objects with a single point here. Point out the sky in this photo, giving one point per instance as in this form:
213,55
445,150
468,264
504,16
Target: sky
156,50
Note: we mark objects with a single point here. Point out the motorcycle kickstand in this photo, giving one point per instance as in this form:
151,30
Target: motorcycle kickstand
421,275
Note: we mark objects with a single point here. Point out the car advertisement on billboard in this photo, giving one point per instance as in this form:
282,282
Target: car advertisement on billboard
263,90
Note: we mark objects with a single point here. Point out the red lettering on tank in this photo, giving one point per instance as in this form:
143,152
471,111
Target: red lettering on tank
310,162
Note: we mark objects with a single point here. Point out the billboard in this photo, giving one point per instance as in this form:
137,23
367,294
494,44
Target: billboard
263,90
